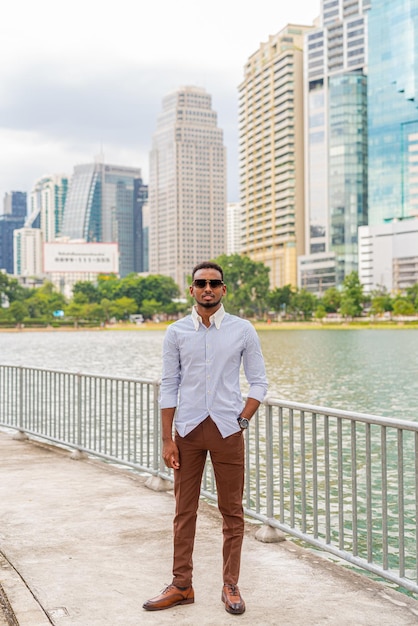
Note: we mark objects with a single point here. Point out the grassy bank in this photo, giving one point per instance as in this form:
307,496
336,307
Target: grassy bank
286,325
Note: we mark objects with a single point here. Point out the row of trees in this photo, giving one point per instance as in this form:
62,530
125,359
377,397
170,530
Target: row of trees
248,294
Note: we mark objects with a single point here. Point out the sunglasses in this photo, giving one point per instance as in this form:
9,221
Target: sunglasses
214,283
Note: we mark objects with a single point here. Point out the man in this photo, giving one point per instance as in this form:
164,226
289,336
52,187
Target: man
202,356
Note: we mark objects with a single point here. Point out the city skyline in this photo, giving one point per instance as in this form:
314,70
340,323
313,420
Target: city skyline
69,94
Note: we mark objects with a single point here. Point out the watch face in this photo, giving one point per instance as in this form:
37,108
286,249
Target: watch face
243,422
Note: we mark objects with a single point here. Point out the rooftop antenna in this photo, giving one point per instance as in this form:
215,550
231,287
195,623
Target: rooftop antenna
100,157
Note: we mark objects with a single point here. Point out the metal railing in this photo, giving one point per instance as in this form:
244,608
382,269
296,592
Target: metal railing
346,483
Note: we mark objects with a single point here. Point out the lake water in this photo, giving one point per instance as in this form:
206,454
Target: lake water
369,371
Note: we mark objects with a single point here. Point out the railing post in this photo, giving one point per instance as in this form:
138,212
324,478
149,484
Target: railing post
20,434
157,482
77,454
267,533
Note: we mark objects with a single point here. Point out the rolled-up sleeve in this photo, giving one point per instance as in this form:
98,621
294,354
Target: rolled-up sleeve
170,380
254,367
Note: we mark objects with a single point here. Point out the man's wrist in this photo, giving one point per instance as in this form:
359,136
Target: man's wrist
243,422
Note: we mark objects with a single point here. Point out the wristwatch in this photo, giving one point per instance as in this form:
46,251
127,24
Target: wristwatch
243,422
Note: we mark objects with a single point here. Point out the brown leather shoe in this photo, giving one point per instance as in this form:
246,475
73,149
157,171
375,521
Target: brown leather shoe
232,599
170,596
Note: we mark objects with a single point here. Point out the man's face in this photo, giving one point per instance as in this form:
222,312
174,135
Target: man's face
207,296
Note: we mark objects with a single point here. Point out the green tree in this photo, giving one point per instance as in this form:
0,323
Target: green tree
348,307
122,308
331,300
320,312
75,311
94,312
279,298
11,290
108,286
149,308
44,301
18,311
163,289
247,284
88,289
352,296
403,306
302,304
412,295
106,306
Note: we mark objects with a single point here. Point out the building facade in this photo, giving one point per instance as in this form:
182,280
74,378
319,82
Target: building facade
28,244
336,143
145,237
140,230
46,205
234,217
13,218
101,207
271,154
393,110
187,186
388,255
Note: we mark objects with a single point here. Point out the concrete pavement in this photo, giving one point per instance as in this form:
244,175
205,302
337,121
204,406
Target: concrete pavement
85,543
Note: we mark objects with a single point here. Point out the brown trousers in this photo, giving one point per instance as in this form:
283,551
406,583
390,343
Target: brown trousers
227,457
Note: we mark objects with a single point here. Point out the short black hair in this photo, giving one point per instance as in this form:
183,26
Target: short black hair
208,265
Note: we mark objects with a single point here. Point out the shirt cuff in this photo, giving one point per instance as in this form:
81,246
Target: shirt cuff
168,401
257,392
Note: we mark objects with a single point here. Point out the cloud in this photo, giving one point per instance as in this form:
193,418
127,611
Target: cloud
73,116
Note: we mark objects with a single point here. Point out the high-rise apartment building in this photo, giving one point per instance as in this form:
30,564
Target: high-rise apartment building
187,187
140,232
47,201
233,227
388,255
101,207
271,154
393,110
28,244
145,237
15,204
336,143
14,212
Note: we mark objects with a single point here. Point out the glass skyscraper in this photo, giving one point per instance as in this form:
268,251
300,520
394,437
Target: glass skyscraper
13,218
336,143
393,110
46,207
102,207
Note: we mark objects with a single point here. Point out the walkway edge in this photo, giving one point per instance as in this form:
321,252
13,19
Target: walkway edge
26,609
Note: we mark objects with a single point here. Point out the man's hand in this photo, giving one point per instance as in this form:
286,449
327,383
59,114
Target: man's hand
171,454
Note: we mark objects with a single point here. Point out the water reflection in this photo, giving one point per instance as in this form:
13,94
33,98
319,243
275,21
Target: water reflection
360,370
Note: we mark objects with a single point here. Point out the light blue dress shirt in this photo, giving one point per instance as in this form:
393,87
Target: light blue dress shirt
201,370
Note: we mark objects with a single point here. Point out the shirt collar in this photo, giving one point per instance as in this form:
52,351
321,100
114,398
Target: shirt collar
216,318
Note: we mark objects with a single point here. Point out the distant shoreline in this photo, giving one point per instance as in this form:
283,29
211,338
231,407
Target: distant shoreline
314,325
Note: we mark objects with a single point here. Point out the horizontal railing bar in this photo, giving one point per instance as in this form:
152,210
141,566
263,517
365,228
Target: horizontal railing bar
350,415
148,381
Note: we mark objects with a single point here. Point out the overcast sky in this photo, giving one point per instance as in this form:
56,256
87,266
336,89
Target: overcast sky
88,76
